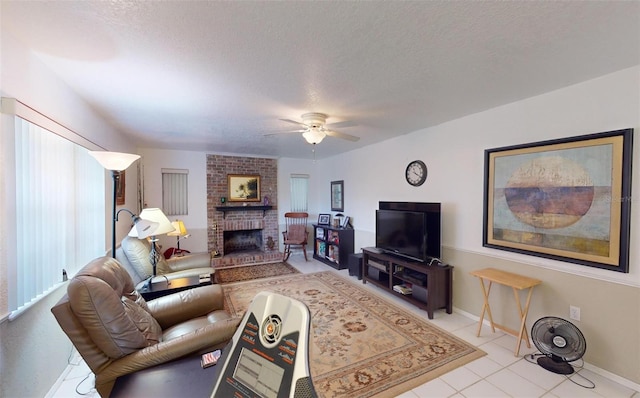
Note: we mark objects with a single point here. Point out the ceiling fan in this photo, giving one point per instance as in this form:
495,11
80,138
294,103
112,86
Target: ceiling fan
315,128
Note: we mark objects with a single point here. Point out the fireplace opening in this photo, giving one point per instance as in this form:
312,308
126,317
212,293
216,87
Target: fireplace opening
243,240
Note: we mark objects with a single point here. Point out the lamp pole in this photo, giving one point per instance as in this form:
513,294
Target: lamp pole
116,162
115,174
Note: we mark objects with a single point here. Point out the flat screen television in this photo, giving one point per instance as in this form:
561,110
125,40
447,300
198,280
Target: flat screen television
411,234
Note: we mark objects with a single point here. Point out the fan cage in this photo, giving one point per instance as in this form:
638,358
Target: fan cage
546,329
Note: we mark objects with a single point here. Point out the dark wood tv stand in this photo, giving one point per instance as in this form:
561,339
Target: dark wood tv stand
432,285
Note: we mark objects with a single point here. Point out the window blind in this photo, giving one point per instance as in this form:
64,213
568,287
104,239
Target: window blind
175,184
299,192
60,211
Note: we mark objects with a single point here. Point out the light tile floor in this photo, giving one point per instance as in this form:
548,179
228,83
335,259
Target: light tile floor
498,374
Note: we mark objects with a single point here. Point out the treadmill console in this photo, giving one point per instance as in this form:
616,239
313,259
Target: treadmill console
268,355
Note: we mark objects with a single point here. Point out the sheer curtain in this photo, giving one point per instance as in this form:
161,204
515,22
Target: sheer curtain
60,211
299,192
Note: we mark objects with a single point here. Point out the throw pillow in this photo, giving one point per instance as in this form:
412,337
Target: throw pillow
100,311
297,233
146,324
137,298
137,252
163,267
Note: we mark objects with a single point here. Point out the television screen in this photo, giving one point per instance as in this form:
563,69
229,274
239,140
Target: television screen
403,233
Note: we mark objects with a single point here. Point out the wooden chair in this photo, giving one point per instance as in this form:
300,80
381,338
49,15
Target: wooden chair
296,233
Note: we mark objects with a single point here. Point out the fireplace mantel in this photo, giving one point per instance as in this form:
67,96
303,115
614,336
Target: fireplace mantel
225,209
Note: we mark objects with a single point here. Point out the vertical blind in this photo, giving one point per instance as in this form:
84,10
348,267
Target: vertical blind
175,184
299,192
60,211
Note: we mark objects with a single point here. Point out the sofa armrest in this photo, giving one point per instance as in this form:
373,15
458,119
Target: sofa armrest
187,304
195,260
211,337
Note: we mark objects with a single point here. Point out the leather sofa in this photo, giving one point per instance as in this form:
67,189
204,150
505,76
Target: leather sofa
117,332
133,255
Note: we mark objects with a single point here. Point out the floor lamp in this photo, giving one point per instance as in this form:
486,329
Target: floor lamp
116,162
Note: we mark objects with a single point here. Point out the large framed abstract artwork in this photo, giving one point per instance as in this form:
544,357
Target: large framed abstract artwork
566,199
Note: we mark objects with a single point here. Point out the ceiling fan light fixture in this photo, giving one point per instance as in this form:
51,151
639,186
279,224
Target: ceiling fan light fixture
314,135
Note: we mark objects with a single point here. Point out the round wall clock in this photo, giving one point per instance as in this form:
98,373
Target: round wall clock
416,173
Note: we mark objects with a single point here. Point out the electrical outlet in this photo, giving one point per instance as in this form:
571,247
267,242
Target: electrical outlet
574,313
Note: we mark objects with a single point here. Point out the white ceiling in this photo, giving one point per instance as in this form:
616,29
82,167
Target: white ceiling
217,76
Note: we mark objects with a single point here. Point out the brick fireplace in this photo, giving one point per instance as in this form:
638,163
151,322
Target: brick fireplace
244,240
242,235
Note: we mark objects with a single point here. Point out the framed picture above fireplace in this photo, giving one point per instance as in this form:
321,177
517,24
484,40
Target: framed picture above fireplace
243,188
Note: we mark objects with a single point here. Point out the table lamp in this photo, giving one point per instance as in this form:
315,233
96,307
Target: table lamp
164,226
180,232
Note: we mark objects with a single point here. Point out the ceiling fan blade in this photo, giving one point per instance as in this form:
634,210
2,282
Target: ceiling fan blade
341,125
284,132
344,136
293,121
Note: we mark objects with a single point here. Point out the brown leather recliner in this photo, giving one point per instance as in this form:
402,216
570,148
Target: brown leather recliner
117,332
133,255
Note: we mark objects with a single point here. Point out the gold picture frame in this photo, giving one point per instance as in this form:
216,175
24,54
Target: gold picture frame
243,188
565,199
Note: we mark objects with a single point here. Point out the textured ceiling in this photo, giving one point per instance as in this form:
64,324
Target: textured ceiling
217,76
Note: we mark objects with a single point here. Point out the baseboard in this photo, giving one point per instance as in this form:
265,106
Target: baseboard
604,373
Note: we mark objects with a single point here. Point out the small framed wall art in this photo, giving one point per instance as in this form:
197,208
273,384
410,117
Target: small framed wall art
337,195
345,222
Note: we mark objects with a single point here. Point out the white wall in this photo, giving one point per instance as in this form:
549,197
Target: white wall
36,334
153,161
454,154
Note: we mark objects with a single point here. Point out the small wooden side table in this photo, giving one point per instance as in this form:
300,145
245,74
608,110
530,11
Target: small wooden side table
516,282
163,287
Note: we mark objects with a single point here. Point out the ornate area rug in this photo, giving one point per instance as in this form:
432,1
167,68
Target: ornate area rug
250,272
361,344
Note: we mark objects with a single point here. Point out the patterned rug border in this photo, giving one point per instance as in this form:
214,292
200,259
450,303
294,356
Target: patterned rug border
402,386
241,276
230,266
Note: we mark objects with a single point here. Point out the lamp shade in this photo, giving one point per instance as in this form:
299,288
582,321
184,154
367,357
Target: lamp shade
115,161
143,227
154,215
314,135
179,229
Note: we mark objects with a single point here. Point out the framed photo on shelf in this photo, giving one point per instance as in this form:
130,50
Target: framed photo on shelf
566,199
243,188
337,195
345,222
324,219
